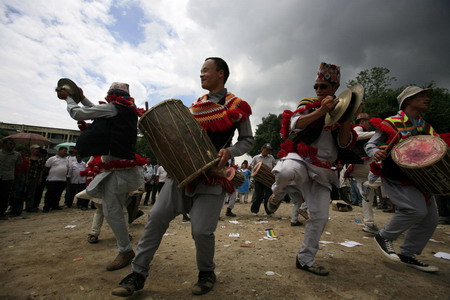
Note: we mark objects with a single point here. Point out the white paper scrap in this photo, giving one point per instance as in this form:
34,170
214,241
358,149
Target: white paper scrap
70,226
261,222
234,222
233,235
350,244
326,242
443,255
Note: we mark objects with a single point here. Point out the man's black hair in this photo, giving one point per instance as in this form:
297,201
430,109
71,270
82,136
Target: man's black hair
221,65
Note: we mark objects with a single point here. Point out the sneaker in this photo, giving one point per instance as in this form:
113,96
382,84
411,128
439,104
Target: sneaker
130,284
415,263
315,268
122,260
303,213
273,204
386,247
370,228
205,283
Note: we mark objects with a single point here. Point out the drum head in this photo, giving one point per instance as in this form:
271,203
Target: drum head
419,151
256,168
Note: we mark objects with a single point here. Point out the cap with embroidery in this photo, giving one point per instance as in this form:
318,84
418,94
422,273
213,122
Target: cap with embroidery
119,88
329,72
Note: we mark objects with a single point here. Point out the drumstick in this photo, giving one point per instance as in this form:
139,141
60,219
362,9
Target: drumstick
392,143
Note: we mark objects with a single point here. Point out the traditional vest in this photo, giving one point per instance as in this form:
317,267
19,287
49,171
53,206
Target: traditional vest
301,142
220,119
114,136
401,124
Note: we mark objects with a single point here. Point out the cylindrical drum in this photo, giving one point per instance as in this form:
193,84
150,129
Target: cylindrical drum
426,161
238,178
178,141
262,173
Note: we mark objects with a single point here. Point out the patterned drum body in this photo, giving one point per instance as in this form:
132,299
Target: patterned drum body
426,161
262,173
178,141
238,178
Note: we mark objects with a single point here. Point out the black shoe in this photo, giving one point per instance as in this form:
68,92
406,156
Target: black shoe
315,269
130,284
186,219
229,213
415,263
45,210
386,247
57,208
205,283
298,223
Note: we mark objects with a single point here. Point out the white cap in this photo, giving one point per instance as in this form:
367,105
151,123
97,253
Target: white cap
408,92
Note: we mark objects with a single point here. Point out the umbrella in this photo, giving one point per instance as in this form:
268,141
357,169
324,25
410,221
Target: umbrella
66,145
27,138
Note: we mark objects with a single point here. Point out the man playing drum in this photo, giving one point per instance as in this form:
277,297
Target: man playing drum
262,192
220,113
416,211
306,165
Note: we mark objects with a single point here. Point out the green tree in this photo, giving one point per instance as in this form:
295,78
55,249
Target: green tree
268,132
144,149
438,113
375,81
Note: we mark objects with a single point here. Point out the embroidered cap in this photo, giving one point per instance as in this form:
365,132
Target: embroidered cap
267,145
409,92
329,72
119,88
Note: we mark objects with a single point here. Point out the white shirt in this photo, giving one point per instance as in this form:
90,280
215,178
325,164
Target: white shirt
162,174
58,168
74,172
269,160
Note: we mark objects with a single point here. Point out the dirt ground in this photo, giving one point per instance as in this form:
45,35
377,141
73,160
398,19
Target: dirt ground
42,259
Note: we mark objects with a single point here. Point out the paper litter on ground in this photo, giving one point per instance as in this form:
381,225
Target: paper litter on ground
234,234
70,226
326,242
443,255
350,244
434,241
261,222
234,222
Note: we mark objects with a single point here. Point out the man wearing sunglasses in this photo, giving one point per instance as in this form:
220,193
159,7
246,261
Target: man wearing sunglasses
307,161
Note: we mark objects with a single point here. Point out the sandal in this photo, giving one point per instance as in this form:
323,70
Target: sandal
92,239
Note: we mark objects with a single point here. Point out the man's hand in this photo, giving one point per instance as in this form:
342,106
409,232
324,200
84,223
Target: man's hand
62,94
380,155
328,104
224,155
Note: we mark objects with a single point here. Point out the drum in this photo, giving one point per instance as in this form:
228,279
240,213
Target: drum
426,161
238,178
178,141
262,173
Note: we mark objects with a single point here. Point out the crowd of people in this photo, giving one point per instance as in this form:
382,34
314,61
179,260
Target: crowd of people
322,158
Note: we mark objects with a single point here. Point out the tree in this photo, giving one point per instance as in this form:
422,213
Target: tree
375,81
144,149
268,132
